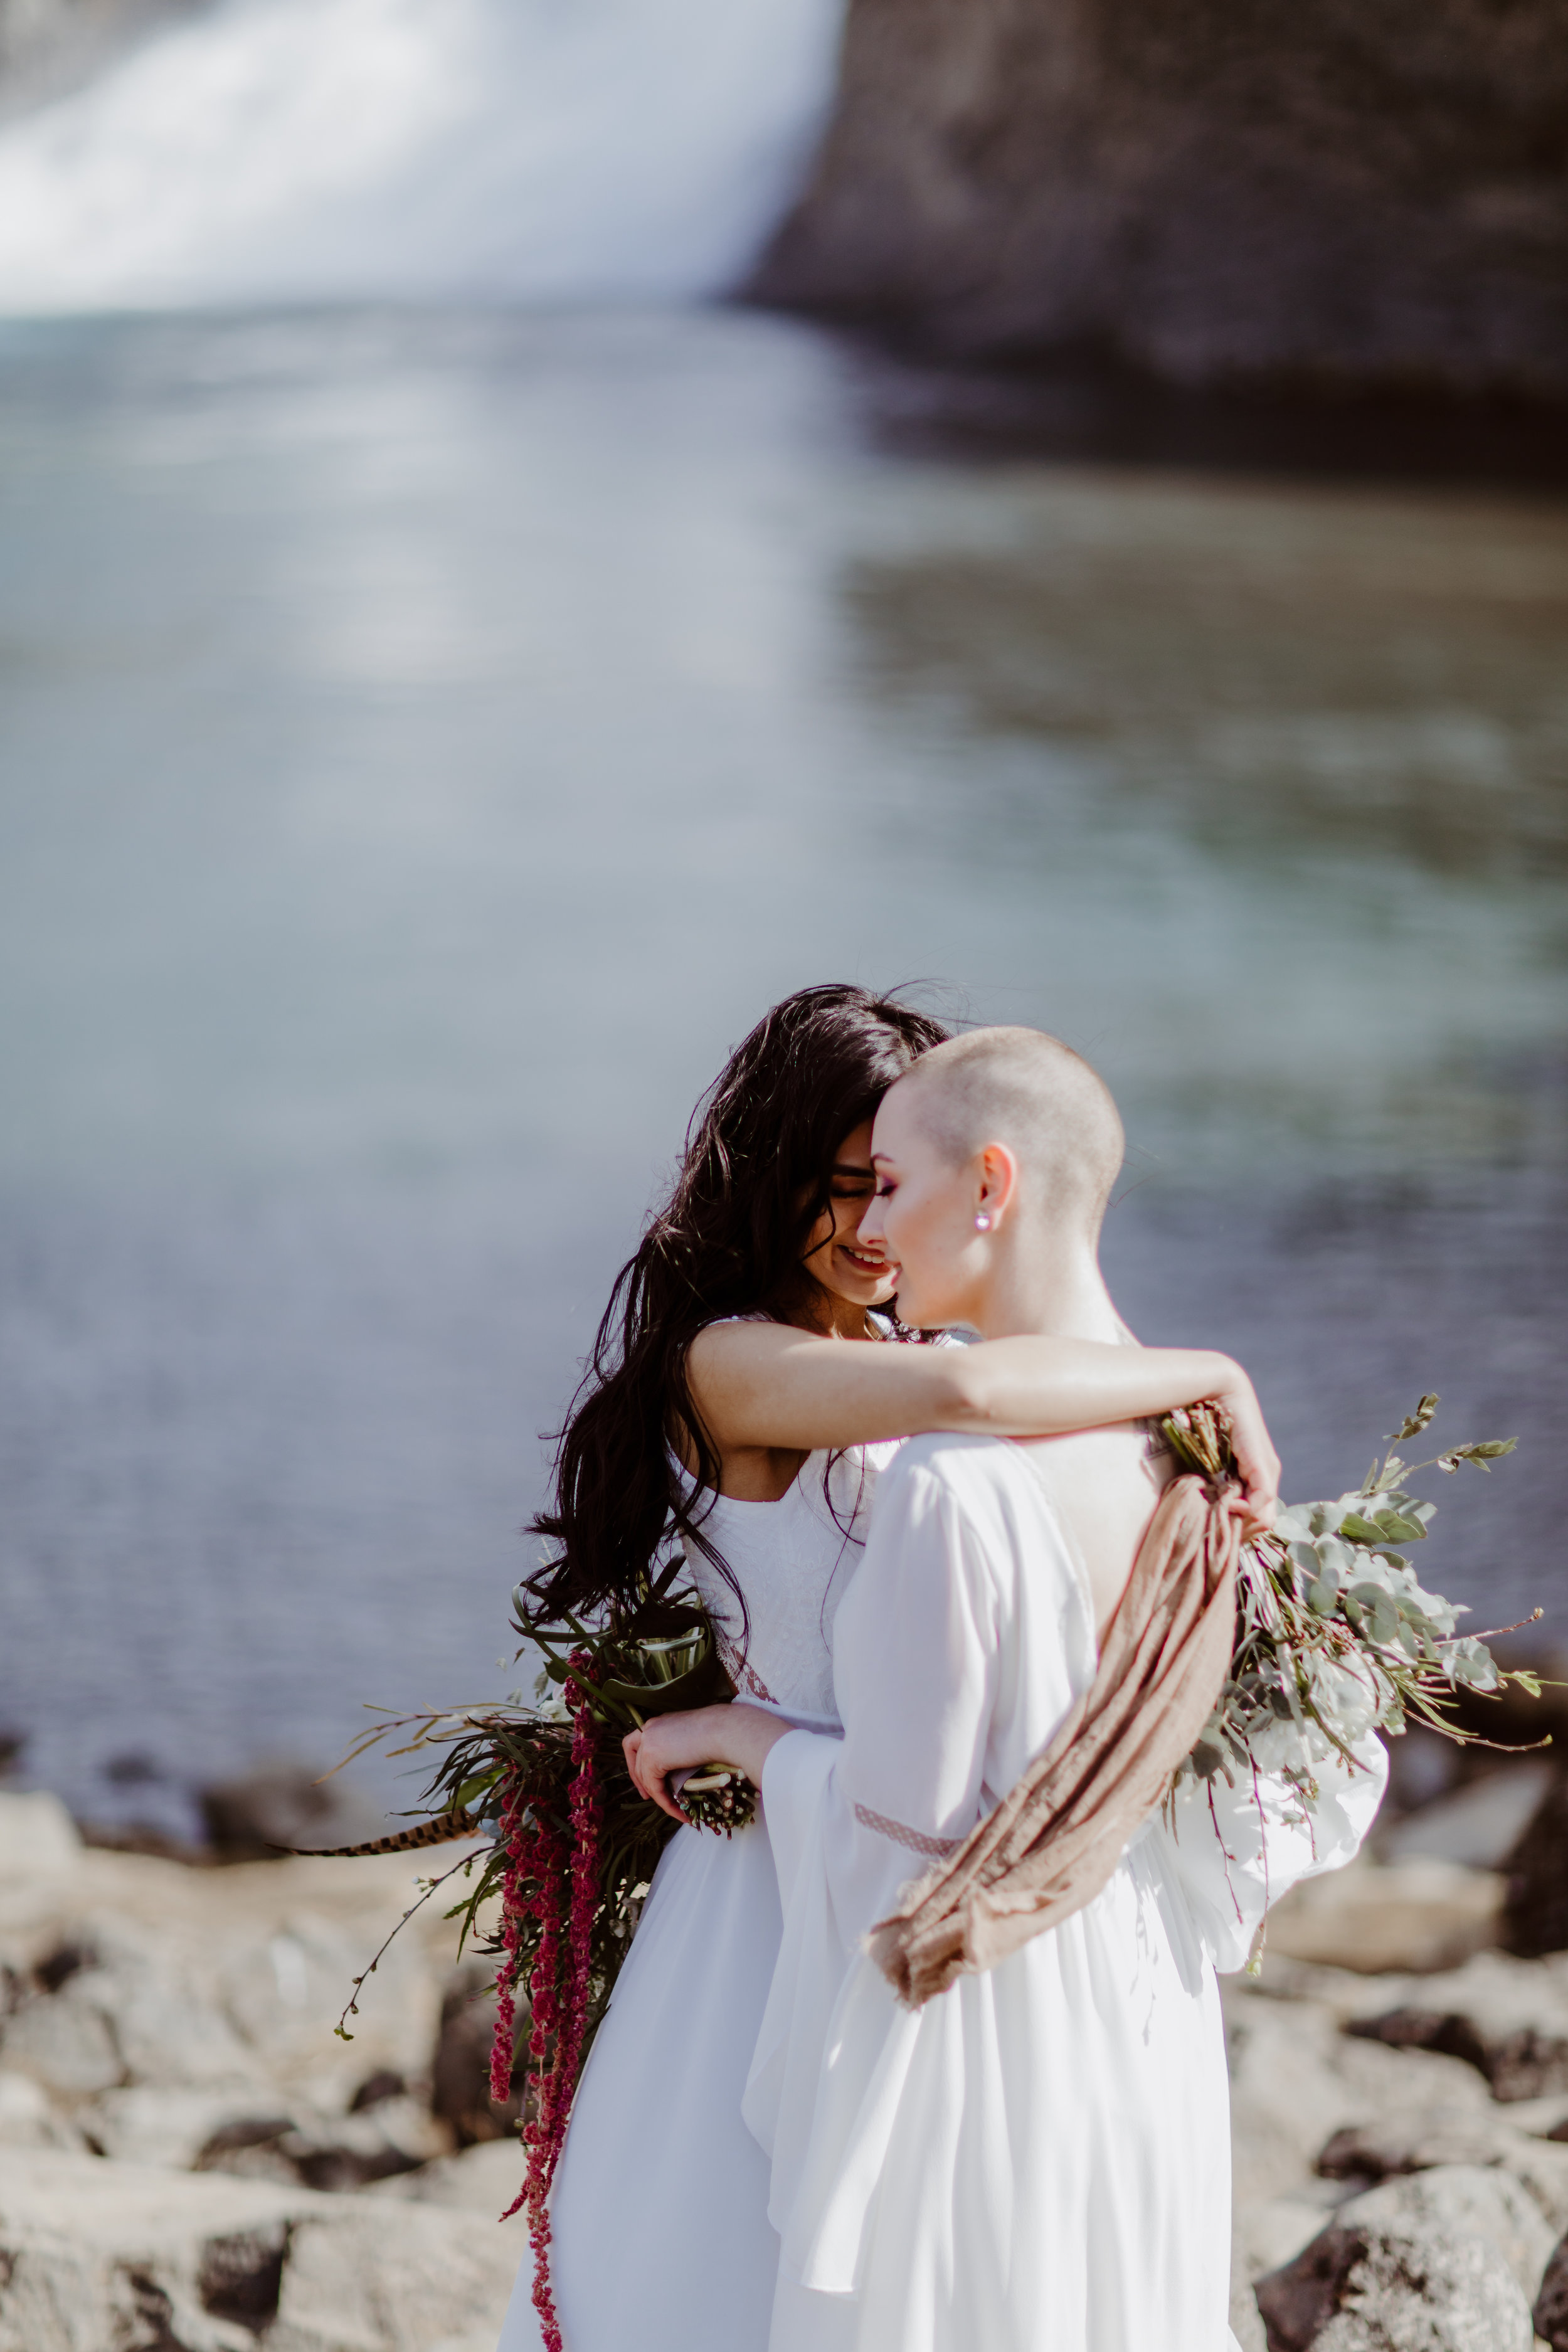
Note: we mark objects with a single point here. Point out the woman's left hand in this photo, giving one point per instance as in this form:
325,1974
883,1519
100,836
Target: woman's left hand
738,1735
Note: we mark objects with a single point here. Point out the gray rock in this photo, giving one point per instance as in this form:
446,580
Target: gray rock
483,2179
114,2005
1456,2201
1477,1825
1246,2319
330,2153
38,1838
1435,2271
148,2124
95,2254
1535,1918
1506,2017
28,2119
1296,2079
460,2074
1421,1914
1551,2303
286,1808
1392,2145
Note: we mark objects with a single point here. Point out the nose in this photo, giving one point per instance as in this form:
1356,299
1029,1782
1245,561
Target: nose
871,1234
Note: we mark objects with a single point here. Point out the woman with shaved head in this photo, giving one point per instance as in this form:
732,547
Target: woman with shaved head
995,2099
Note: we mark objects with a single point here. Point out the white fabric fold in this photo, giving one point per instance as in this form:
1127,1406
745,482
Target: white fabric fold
1040,2155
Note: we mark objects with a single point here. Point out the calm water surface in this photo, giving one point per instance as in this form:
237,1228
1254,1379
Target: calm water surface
429,743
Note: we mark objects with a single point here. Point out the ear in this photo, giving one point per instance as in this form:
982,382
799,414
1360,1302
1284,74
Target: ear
997,1168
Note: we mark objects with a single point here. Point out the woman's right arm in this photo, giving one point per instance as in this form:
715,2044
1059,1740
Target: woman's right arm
769,1385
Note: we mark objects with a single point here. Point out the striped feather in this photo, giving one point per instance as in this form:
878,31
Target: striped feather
440,1831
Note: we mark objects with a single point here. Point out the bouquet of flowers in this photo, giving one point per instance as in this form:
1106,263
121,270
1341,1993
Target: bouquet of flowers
568,1845
1335,1633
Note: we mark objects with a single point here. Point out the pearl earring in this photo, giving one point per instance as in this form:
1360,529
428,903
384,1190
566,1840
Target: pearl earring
982,1222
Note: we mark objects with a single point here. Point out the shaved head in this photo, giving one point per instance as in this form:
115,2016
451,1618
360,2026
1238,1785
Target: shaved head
1020,1087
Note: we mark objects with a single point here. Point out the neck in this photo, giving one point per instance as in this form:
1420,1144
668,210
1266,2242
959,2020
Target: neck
1052,1292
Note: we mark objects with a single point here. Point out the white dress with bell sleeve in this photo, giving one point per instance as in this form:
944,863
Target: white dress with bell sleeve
1038,2160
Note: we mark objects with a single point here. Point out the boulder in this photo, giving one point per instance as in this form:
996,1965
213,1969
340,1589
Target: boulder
95,2254
1246,2319
460,2074
38,1838
1296,2079
1476,1825
1535,1914
286,1808
153,2124
1421,1914
1433,2263
113,2005
133,1970
333,2153
1506,2017
1359,194
483,2179
27,2118
1391,2146
1551,2303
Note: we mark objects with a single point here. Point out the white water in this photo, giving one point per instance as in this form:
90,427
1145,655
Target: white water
547,151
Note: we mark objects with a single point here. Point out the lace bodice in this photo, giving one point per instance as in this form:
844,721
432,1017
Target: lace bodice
793,1560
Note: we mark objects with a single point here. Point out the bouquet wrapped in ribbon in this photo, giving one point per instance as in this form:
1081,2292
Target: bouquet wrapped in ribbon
568,1845
1335,1635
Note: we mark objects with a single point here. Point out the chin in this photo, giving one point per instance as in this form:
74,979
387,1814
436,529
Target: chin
923,1313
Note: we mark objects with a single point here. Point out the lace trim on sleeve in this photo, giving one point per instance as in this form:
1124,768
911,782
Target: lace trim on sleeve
934,1849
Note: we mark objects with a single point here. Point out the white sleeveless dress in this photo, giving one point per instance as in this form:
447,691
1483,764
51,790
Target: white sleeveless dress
661,2239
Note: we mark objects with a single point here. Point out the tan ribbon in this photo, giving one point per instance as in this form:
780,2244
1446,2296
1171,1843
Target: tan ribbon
1055,1839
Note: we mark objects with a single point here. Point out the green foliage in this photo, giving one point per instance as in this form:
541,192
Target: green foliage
475,1754
1335,1634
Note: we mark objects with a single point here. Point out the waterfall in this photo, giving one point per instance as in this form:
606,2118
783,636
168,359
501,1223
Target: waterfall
538,151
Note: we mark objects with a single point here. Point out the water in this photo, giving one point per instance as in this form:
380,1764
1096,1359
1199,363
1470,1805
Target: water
429,740
308,149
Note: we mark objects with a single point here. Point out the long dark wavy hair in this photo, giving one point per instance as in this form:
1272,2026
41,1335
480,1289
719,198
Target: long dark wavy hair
756,1174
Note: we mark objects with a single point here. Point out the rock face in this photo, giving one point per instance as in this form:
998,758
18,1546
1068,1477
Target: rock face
1500,2015
96,2253
190,2159
1551,2303
1535,1918
1361,190
1389,2284
46,45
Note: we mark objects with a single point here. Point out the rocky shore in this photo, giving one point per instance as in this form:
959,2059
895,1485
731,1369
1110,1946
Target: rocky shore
190,2161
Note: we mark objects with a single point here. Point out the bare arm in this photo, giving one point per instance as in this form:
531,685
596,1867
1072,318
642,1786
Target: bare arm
768,1385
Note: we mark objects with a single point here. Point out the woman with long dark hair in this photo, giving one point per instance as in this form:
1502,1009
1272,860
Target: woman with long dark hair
748,1381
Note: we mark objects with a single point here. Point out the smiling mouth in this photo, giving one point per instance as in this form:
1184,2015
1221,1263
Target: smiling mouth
868,1265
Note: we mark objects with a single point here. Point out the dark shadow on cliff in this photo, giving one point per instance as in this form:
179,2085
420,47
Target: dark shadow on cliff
1086,406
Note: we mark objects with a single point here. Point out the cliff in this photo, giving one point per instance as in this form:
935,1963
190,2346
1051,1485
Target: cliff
1371,191
49,46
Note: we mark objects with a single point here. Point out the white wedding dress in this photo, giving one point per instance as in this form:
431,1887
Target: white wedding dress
661,2239
1038,2160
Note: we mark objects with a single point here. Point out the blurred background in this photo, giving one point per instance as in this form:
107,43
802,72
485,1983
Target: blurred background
530,528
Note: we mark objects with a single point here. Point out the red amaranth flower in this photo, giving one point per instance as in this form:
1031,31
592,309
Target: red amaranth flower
565,1899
